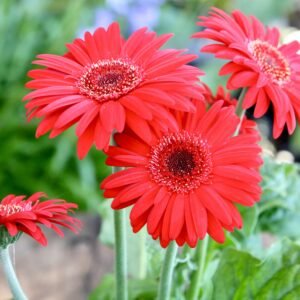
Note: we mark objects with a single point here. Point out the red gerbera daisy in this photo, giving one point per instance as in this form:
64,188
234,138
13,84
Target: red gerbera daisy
184,183
256,61
247,125
105,81
18,215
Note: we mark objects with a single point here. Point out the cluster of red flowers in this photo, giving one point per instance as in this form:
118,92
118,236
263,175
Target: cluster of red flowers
186,167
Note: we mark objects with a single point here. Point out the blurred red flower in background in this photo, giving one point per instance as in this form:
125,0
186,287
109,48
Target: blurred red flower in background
18,215
184,183
105,81
247,125
257,62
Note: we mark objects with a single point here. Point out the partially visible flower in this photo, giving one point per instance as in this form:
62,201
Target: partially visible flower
270,72
184,183
221,94
105,81
247,125
18,215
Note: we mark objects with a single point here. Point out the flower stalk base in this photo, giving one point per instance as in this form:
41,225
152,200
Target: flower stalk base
10,275
165,285
120,253
201,253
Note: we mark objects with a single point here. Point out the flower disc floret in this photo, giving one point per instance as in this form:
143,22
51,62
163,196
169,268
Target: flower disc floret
271,61
181,162
10,209
109,79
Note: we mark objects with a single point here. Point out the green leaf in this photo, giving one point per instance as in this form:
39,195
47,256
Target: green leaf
284,281
106,290
234,266
242,276
138,289
292,295
144,289
282,255
279,208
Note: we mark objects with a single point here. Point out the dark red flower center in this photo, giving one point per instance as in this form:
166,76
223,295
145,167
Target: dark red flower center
10,209
181,161
109,79
271,61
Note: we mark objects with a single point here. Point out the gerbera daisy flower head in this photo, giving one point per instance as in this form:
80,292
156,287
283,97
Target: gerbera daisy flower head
105,81
247,125
185,182
269,71
19,215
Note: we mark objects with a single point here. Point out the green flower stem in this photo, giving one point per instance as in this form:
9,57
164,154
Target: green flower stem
201,253
240,112
120,255
120,248
120,252
10,275
165,285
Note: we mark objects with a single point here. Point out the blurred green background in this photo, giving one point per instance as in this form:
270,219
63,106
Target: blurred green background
30,27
